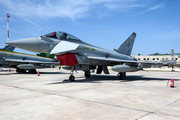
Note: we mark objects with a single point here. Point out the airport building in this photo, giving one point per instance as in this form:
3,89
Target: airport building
158,57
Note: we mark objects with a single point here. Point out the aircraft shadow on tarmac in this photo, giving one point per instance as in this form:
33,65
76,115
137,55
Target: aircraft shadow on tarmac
53,73
4,72
99,78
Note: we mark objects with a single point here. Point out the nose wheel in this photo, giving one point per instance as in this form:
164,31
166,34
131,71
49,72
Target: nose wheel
71,77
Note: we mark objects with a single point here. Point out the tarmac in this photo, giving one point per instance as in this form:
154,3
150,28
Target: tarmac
144,95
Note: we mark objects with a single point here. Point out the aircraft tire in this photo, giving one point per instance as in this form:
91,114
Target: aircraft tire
33,71
22,71
18,70
71,78
87,74
122,76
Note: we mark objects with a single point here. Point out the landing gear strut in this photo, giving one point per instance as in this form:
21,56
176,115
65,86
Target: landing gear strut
87,73
71,77
122,75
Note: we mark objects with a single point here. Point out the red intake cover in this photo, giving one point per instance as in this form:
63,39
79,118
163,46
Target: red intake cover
67,59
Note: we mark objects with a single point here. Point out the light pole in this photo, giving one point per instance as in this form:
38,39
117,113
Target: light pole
172,55
8,15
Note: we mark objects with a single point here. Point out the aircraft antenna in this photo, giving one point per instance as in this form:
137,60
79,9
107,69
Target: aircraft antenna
8,15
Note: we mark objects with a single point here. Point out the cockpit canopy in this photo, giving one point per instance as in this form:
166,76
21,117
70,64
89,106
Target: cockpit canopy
61,35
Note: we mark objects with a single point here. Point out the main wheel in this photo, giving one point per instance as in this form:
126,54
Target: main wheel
122,76
18,70
22,71
33,71
87,74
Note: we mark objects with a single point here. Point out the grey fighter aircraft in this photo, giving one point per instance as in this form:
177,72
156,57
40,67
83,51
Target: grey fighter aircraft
75,54
23,62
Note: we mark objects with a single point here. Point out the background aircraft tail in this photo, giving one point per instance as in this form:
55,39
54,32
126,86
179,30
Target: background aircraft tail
127,45
9,48
46,55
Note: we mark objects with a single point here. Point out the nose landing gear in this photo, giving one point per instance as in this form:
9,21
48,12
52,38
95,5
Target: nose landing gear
71,77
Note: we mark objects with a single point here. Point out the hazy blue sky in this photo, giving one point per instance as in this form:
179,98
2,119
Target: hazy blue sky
104,23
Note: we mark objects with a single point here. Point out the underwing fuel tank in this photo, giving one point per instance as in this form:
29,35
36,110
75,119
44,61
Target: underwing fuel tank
125,68
31,66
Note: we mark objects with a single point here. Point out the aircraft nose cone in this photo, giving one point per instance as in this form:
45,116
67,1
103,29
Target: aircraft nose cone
30,44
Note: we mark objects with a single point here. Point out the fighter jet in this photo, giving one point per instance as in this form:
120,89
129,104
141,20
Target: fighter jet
75,54
23,62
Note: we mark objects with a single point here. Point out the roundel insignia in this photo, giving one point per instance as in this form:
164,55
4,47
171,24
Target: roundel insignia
128,43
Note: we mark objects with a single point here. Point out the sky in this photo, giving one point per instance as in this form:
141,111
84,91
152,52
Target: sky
104,23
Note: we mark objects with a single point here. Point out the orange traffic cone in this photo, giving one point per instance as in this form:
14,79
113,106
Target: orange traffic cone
9,70
38,73
172,83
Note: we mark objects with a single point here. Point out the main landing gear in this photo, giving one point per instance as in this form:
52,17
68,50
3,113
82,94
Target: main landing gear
87,74
122,75
33,71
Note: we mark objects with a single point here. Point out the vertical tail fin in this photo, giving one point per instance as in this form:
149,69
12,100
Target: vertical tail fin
127,45
9,48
